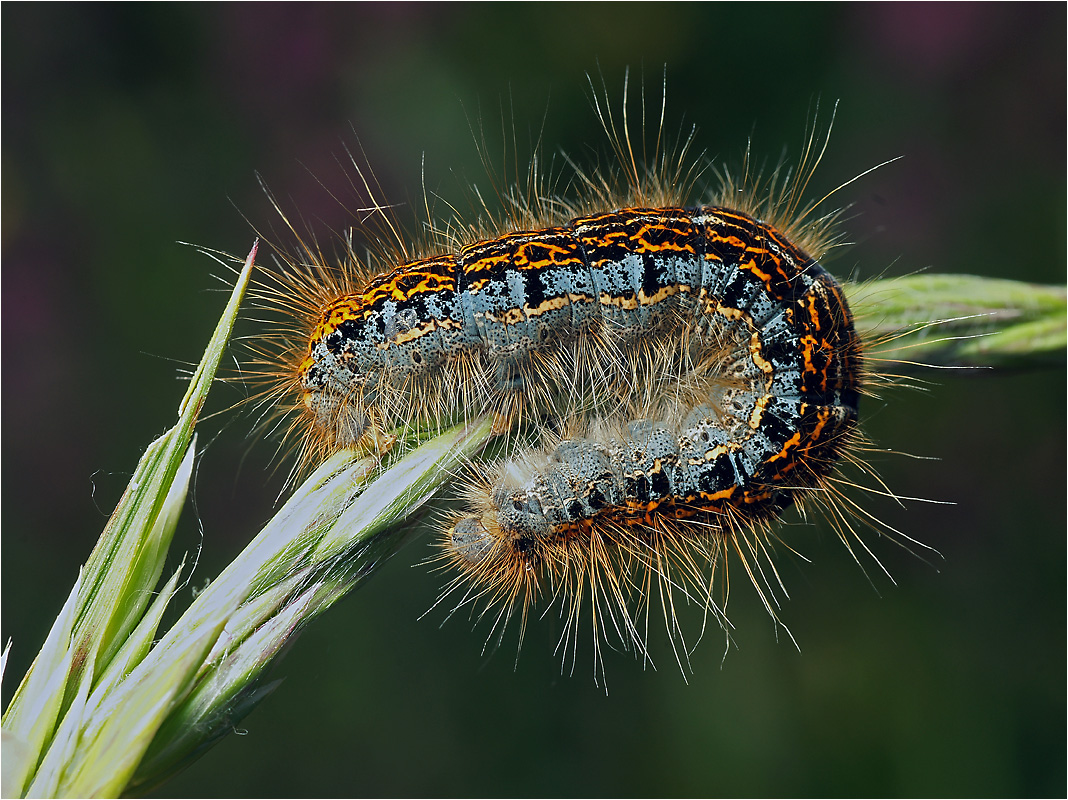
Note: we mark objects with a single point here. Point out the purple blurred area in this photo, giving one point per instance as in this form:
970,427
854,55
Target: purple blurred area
128,129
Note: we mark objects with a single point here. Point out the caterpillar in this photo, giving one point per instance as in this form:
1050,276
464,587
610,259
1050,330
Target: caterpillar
702,365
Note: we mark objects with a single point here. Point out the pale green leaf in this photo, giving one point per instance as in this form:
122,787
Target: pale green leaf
137,645
60,750
31,716
961,320
123,724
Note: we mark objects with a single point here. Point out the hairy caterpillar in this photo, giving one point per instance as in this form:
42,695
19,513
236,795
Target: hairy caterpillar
703,366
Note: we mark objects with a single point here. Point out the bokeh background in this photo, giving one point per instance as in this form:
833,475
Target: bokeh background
130,128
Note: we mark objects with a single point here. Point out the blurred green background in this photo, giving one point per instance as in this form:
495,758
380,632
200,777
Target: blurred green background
129,128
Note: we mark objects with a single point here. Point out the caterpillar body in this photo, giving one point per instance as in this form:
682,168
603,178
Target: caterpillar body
702,364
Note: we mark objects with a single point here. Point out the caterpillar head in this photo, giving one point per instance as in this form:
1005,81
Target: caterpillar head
339,373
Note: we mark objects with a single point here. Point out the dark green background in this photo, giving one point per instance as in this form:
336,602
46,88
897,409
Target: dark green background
129,128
